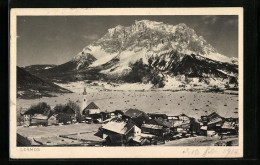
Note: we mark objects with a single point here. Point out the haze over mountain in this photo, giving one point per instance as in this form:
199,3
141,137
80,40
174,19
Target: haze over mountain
146,51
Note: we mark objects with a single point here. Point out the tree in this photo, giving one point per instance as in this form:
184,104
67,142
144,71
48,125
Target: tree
59,108
76,108
40,108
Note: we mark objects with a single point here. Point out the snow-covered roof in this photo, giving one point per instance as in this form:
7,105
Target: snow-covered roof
228,125
133,113
40,116
118,127
152,126
92,105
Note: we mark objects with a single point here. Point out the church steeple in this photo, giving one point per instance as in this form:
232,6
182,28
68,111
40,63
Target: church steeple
84,99
85,92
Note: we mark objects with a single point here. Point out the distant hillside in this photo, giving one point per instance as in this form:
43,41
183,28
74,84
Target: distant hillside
34,68
66,72
30,86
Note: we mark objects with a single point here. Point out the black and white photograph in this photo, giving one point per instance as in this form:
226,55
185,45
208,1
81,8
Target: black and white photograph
137,81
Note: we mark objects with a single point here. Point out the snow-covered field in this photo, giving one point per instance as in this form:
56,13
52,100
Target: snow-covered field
110,97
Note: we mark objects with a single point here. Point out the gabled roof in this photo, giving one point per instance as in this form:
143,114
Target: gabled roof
160,123
68,110
138,121
228,125
164,116
63,116
118,127
132,113
214,115
184,115
40,116
92,105
151,126
117,112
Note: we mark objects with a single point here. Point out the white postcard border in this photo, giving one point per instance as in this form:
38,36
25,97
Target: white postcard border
121,152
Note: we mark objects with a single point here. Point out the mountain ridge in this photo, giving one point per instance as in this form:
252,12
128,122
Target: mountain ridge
164,50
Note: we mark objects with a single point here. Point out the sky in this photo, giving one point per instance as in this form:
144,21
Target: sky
57,39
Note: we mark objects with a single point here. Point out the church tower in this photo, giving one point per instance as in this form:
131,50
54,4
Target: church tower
84,100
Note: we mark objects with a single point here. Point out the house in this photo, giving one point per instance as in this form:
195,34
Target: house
63,118
186,124
139,141
160,128
52,120
134,113
105,115
235,120
211,124
116,114
39,119
69,112
172,118
118,133
136,116
214,122
158,116
26,120
230,126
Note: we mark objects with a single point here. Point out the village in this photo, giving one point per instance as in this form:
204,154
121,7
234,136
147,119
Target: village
70,125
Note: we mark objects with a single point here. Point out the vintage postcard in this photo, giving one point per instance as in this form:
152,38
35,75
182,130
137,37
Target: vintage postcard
126,83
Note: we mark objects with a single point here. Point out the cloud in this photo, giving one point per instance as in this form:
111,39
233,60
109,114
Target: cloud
90,37
209,20
52,38
232,21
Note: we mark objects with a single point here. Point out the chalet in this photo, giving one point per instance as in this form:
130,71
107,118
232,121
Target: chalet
157,127
136,116
118,133
52,120
26,120
69,111
105,115
116,114
211,124
214,122
63,118
235,120
158,116
139,141
133,113
39,119
230,126
172,118
186,124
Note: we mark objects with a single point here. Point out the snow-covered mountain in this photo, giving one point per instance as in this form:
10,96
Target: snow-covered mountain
149,49
147,39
